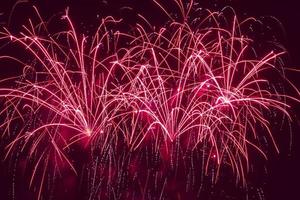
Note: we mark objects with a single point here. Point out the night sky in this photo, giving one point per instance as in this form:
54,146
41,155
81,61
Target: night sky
281,181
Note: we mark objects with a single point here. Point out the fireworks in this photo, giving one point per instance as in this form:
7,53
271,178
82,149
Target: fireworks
190,87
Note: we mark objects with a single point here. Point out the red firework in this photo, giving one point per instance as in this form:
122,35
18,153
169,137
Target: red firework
202,85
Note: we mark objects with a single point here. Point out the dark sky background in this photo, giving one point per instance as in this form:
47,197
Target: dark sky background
283,169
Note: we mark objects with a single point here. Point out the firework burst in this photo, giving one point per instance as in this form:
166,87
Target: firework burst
191,87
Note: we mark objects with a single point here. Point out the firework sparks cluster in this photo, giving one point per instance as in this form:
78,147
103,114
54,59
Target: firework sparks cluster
190,86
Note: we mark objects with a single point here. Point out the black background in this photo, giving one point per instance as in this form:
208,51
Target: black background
283,169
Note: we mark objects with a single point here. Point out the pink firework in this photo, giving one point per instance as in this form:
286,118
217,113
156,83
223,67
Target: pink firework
201,85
